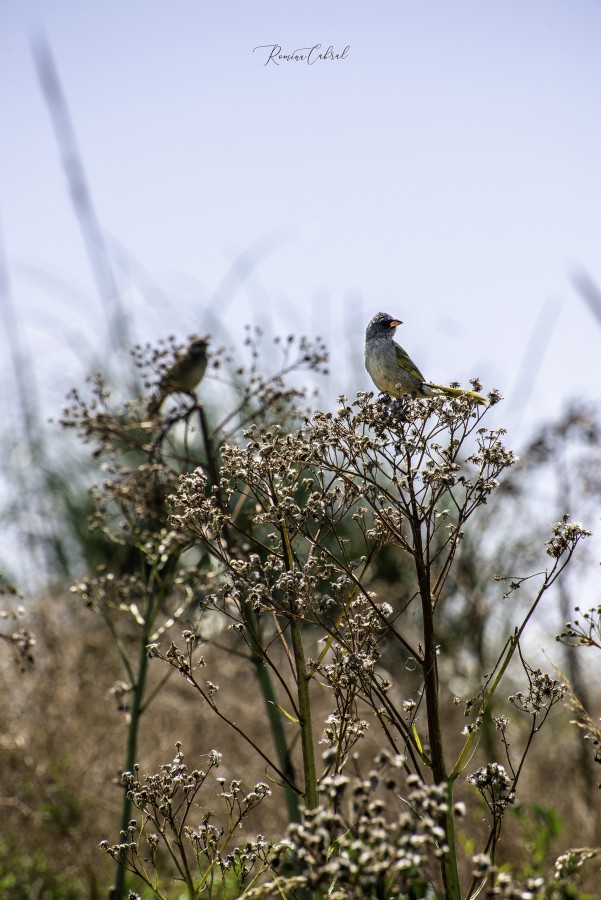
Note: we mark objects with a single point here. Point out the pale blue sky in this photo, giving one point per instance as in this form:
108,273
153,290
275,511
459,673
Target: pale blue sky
448,171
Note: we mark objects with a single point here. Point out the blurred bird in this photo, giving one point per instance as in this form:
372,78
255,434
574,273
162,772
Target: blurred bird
393,371
184,375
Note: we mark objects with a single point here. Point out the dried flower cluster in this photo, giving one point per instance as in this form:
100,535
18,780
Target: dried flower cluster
566,536
20,640
354,846
543,693
173,821
585,632
495,785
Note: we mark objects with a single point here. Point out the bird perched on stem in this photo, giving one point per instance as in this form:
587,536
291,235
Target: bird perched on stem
183,376
393,371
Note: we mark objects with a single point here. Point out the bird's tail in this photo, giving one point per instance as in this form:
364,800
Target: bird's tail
459,392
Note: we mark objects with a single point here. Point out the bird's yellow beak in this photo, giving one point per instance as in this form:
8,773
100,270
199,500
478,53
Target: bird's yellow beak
395,322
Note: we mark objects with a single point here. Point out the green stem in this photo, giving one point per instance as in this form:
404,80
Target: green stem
275,719
137,700
472,738
306,724
302,685
450,870
263,674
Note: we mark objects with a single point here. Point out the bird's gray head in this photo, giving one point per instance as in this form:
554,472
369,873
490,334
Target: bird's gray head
382,325
198,347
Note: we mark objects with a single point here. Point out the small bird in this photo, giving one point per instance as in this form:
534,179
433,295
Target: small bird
183,376
393,371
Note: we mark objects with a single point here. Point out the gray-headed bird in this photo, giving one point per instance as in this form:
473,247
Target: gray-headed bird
392,370
183,376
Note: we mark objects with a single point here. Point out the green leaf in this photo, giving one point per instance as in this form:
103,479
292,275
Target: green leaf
287,714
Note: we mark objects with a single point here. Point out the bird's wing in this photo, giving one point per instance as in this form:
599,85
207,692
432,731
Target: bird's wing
176,372
407,364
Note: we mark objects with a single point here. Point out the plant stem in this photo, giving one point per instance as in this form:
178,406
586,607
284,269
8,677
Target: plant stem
275,720
302,686
450,873
137,699
306,724
264,677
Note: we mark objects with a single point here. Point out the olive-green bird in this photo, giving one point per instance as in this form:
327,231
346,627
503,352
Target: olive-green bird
183,376
393,371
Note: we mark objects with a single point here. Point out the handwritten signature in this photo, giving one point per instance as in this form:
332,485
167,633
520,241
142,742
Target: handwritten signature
310,55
